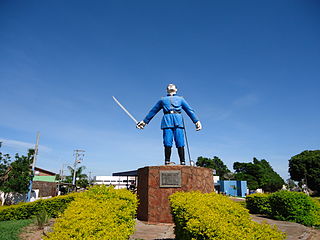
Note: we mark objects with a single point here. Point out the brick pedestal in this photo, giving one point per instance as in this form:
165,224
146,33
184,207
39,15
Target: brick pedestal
153,200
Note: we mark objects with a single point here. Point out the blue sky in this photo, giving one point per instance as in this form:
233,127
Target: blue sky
250,69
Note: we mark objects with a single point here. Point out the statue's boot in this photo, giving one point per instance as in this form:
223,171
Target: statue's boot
181,155
167,155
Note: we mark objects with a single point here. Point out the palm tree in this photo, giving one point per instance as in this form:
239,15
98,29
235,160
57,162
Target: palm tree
79,174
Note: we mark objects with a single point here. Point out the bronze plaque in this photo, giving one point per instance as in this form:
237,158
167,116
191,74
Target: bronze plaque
170,178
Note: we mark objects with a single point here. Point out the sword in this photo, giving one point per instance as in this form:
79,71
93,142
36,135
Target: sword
125,110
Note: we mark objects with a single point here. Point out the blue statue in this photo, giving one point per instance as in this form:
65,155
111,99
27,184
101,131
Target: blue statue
172,123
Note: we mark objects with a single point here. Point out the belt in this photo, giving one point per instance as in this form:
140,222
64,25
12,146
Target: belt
172,112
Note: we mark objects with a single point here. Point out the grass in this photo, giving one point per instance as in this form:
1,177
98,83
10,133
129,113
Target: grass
9,230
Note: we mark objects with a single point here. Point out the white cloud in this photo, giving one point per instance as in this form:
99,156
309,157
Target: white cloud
21,145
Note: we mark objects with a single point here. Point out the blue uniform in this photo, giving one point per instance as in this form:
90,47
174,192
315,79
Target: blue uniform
172,122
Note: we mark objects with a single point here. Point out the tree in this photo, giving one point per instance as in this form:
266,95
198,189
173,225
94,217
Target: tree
82,179
258,174
305,168
215,163
291,185
15,175
83,183
246,172
229,175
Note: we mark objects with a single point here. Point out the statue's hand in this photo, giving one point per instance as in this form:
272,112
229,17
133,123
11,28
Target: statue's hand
198,126
141,125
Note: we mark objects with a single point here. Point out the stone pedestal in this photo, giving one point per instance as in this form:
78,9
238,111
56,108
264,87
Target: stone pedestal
157,183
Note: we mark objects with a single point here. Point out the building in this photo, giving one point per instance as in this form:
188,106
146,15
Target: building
233,188
43,175
216,180
44,184
117,181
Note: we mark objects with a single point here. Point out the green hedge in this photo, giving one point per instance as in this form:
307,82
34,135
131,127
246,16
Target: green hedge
54,206
286,206
295,207
99,213
213,216
258,203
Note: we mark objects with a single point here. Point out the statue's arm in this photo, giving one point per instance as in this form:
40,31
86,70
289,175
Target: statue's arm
153,112
190,112
150,115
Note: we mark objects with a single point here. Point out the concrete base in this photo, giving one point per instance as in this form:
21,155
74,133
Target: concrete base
154,204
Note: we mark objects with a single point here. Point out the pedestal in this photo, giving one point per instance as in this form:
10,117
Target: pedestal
157,183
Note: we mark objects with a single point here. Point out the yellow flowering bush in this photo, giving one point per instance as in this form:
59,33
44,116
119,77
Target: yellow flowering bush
200,216
99,213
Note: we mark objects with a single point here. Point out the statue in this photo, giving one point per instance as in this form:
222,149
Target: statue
172,123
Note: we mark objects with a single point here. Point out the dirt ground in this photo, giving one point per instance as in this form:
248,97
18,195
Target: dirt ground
32,232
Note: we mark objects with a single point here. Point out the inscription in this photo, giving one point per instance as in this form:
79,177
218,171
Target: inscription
170,178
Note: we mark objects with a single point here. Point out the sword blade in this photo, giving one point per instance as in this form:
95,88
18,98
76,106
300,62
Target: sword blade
125,110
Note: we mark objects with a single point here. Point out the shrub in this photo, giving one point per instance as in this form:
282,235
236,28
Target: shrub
42,218
213,216
295,207
53,206
258,203
99,213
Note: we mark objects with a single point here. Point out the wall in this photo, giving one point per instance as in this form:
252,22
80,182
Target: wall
233,188
154,204
46,189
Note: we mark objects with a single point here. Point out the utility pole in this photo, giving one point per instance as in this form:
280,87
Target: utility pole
62,172
79,154
33,166
90,178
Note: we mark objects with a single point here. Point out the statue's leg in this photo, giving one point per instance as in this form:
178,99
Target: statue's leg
179,140
167,142
167,155
181,155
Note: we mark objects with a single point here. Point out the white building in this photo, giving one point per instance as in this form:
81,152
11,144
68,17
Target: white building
117,181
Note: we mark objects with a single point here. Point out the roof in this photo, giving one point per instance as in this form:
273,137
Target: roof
127,173
43,170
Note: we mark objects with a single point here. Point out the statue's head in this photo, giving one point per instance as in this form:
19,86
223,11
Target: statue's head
172,89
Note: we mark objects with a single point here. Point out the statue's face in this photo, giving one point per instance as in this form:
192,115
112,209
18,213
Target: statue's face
172,89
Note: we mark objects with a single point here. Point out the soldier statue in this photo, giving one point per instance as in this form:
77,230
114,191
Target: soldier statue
172,123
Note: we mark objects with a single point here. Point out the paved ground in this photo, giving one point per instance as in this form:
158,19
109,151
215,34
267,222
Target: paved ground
153,231
294,231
